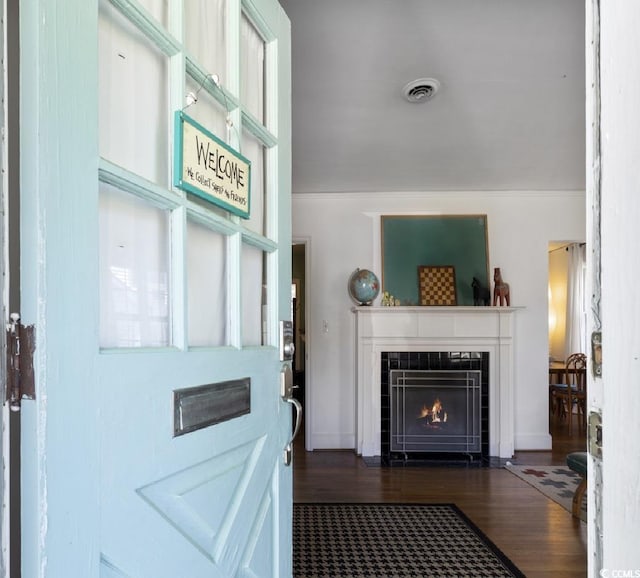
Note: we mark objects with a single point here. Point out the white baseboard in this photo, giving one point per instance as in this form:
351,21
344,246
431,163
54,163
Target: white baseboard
333,441
532,442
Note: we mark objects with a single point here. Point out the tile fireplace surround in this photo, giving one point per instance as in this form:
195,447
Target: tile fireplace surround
424,329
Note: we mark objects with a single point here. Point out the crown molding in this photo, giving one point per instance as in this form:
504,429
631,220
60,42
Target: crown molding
385,195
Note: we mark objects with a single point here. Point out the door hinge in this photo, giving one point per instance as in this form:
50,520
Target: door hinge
20,376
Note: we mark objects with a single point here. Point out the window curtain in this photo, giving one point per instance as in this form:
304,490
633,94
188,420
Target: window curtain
252,96
252,70
134,271
206,286
205,35
576,324
252,86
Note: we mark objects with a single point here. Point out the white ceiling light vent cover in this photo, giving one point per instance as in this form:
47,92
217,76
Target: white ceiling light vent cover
421,89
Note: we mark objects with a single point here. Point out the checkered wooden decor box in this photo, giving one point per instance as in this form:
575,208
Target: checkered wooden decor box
437,285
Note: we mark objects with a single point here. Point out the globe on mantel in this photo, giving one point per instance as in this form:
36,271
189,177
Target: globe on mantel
363,286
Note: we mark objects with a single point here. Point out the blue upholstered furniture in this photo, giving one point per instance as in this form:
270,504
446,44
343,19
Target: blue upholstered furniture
577,461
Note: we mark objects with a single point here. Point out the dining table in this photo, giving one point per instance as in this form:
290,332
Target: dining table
556,371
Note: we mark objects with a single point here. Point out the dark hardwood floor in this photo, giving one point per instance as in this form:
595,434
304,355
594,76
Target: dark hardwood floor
537,534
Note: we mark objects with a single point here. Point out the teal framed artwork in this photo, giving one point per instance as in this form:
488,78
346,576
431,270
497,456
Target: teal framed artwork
209,168
415,243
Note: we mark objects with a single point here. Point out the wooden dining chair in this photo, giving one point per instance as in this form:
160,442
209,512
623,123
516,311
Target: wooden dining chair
556,380
573,392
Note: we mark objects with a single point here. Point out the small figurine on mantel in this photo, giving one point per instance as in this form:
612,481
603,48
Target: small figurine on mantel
389,300
481,295
500,289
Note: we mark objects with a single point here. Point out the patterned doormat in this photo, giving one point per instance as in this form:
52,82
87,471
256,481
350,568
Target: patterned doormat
556,482
392,541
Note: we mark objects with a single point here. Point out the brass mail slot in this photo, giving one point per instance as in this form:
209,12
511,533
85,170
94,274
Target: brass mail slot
198,407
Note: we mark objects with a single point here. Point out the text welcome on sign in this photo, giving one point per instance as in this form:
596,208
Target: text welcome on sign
209,168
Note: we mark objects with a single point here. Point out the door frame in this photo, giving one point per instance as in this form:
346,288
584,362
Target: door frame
593,282
5,448
10,271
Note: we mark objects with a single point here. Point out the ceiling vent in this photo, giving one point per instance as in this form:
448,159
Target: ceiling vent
421,89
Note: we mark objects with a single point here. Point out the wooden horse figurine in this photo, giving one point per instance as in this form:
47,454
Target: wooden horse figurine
500,290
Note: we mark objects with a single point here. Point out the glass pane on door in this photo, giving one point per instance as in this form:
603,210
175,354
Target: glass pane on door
256,152
252,50
134,271
159,9
207,111
254,296
206,286
133,117
205,35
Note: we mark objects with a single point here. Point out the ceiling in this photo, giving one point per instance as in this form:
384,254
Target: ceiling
509,114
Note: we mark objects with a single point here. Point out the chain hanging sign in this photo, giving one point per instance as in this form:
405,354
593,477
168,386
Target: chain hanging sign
209,168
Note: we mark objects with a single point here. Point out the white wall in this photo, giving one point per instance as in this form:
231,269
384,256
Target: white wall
343,233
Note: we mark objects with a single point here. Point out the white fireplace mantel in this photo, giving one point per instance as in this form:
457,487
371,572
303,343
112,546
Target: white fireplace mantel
427,329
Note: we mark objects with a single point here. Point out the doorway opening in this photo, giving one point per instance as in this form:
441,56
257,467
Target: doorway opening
567,300
567,313
299,317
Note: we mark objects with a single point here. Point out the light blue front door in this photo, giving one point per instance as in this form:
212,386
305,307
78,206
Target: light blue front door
139,291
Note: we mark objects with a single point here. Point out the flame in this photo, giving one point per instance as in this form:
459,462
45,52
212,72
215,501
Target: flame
436,411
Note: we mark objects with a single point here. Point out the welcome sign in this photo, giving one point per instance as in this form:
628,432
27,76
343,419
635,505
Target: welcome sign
209,168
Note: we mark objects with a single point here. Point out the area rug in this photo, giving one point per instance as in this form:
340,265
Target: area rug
556,482
392,541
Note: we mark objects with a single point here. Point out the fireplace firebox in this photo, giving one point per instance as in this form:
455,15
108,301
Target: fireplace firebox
434,404
435,411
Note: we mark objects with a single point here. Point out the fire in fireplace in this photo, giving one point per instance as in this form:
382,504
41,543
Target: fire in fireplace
435,411
434,416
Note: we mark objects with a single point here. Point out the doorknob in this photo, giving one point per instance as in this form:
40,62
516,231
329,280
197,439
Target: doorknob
286,393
